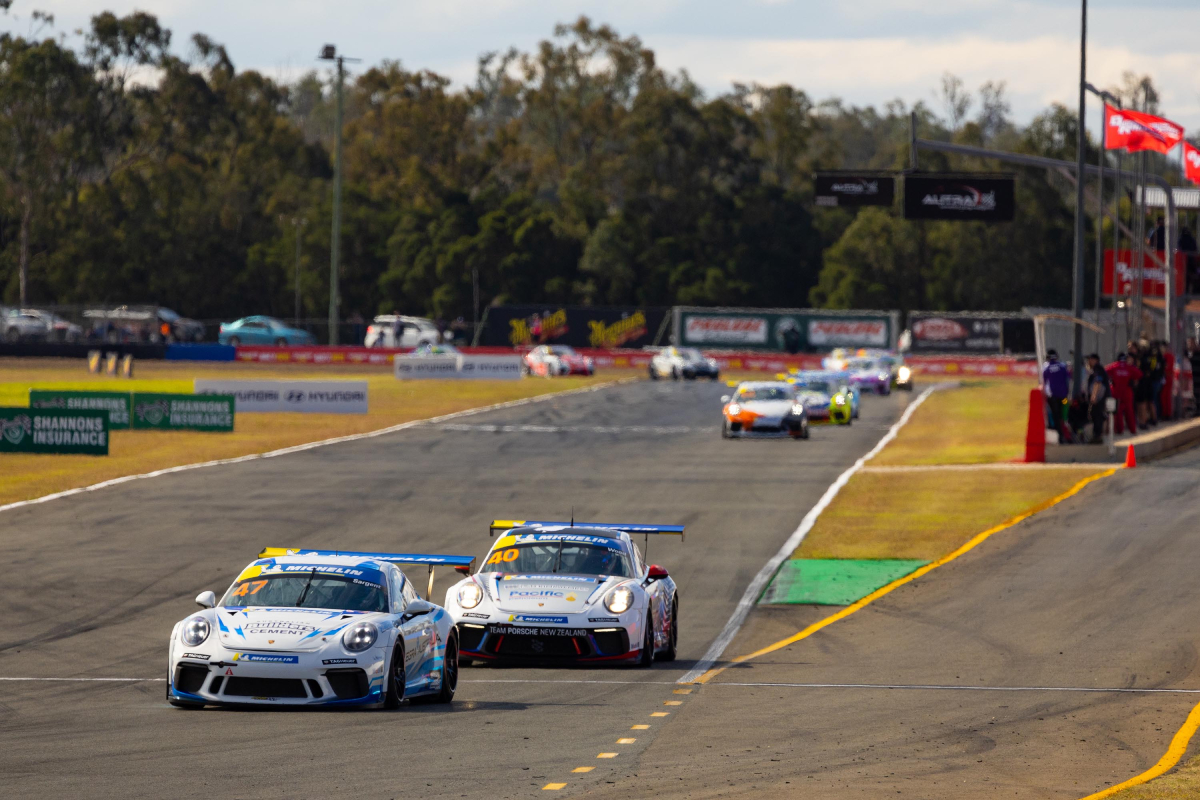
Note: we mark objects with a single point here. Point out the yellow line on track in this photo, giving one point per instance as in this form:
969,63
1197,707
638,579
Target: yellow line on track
1179,746
974,542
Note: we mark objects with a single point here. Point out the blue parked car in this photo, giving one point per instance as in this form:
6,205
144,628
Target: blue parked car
262,330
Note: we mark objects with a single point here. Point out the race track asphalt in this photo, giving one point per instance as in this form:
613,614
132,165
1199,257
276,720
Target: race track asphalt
94,582
985,657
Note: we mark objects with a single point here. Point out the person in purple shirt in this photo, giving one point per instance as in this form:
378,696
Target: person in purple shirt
1056,383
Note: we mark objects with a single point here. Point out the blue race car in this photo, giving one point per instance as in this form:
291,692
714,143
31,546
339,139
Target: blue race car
262,330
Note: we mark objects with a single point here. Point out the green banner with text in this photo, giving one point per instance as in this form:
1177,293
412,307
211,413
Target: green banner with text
183,412
115,403
48,430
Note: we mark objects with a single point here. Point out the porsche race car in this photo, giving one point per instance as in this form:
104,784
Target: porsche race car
764,408
567,592
825,396
870,374
550,360
683,362
304,627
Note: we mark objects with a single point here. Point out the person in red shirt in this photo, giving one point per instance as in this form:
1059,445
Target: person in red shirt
1123,375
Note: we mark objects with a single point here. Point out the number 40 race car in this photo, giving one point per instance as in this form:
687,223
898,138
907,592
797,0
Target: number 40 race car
317,627
567,592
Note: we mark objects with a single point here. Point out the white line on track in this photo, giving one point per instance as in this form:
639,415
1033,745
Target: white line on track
759,583
661,429
308,446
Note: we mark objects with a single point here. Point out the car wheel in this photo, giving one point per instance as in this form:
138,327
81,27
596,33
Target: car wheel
725,434
281,342
450,666
653,373
394,692
674,374
716,376
647,657
234,341
673,636
804,430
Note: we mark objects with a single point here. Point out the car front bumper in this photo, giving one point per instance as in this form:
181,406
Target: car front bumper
791,425
506,641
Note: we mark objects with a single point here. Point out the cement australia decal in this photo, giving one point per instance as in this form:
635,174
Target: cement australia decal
278,627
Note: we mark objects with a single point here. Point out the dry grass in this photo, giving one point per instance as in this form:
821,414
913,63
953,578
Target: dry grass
1182,784
980,422
131,452
925,515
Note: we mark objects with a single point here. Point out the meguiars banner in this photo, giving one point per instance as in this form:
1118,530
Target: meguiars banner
787,330
183,412
577,326
115,403
310,397
38,430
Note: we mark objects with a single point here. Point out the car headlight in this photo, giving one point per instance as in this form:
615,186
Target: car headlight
840,400
469,595
798,408
903,373
195,631
734,409
619,600
360,636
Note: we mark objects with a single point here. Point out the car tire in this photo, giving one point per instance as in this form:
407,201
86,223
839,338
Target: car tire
449,676
281,342
653,373
393,695
803,430
674,374
234,341
725,434
716,376
647,656
673,639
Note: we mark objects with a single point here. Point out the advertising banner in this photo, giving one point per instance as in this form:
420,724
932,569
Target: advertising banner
577,326
942,333
854,189
960,197
115,403
413,368
1154,279
460,367
496,368
782,330
308,397
1191,163
1135,131
50,430
182,412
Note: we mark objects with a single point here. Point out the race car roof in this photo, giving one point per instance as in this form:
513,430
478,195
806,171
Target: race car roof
763,385
602,528
360,557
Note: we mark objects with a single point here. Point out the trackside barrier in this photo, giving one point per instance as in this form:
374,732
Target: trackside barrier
1035,431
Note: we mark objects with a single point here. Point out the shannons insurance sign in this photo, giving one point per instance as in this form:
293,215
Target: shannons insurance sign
37,430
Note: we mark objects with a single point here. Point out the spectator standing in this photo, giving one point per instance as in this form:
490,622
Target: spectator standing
1056,384
1123,374
1144,394
1158,234
1194,358
1098,391
1166,408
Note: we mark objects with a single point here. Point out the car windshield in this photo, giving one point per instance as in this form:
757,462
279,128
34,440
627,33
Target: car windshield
561,350
167,314
864,364
691,354
572,558
323,591
764,393
818,386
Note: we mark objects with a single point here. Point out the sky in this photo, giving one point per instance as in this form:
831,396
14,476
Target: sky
865,52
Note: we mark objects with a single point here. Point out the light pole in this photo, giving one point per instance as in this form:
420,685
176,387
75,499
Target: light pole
1080,175
329,53
1105,97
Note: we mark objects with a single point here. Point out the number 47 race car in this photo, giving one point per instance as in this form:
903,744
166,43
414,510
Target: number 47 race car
317,628
567,592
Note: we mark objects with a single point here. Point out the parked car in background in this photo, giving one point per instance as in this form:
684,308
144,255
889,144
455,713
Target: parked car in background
397,330
262,330
142,324
57,328
21,326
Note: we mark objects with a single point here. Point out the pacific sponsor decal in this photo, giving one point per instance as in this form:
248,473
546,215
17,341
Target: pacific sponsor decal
841,332
533,593
259,658
201,656
726,330
604,619
328,661
535,618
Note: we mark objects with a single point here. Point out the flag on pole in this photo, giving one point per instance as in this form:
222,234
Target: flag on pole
1134,131
1191,163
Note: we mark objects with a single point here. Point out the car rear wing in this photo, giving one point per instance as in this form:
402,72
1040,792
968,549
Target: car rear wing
631,529
461,564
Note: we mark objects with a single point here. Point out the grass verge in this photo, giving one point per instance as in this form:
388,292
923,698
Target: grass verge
23,477
1182,784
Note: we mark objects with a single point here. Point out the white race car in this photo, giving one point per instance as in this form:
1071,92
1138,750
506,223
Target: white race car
317,627
764,408
567,592
683,362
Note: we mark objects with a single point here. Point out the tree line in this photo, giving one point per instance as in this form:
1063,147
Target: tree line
581,172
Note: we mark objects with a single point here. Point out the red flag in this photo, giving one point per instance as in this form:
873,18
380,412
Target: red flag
1135,131
1191,163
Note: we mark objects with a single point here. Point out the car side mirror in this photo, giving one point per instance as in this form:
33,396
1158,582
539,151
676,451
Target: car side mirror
206,599
416,608
725,398
656,573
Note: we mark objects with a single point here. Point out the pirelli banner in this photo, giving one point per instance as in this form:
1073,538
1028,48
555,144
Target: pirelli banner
50,430
576,326
963,197
116,404
853,189
183,412
783,330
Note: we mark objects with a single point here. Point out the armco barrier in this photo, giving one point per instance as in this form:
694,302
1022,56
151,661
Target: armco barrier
201,352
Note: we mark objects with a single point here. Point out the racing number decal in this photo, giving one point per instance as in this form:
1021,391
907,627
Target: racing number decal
245,589
504,555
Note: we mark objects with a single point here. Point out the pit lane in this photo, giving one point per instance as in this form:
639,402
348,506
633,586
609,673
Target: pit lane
96,580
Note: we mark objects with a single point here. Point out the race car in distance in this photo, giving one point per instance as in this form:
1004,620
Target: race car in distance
317,628
825,396
764,408
567,592
870,374
426,350
549,360
682,362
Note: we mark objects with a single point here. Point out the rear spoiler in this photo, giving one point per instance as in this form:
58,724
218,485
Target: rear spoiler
632,529
461,564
